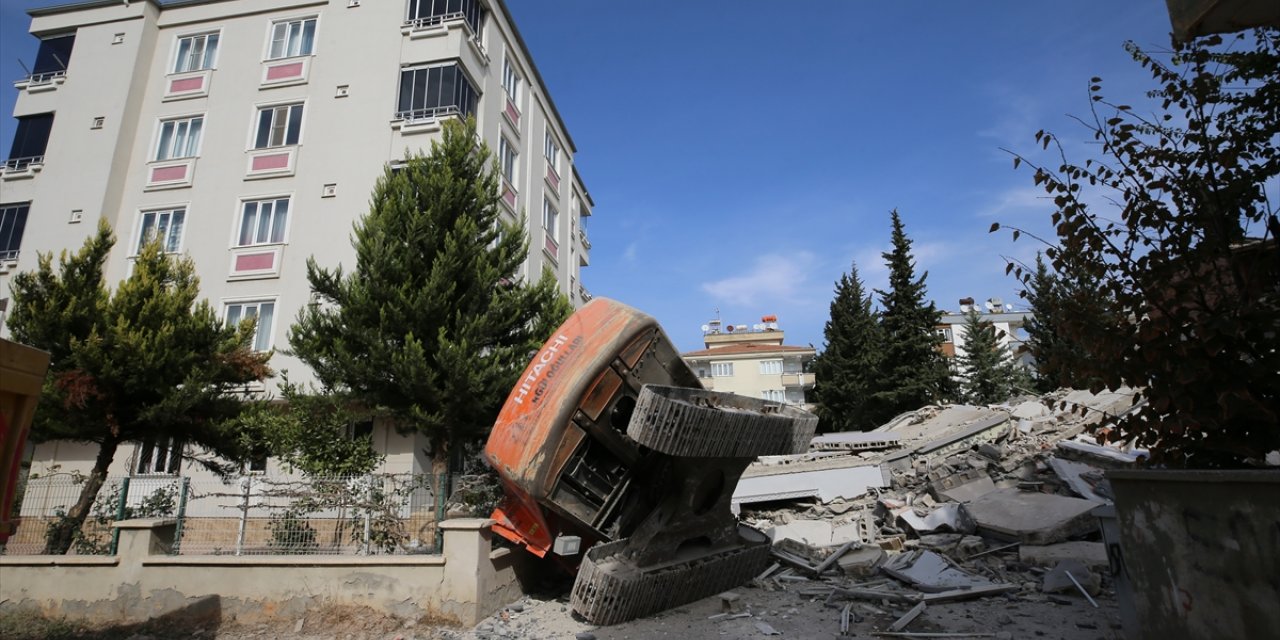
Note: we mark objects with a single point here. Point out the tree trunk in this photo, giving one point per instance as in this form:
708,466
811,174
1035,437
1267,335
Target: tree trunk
62,533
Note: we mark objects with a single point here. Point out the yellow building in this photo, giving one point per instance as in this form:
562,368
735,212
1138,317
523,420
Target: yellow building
752,361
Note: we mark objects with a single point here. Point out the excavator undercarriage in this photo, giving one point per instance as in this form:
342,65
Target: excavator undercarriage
609,438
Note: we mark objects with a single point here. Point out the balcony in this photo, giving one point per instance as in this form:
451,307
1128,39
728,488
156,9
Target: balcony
19,168
38,82
425,120
801,380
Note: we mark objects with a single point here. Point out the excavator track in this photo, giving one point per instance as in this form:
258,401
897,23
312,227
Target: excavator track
610,590
695,423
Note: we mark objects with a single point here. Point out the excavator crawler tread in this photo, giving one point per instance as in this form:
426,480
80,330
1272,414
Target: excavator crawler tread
687,422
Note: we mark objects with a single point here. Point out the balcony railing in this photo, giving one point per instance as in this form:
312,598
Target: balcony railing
582,234
18,164
431,21
45,77
9,255
428,114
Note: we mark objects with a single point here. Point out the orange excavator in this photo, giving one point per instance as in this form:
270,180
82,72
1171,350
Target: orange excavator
608,440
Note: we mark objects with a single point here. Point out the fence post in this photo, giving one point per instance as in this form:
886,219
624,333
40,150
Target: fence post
121,505
368,510
247,483
440,499
182,514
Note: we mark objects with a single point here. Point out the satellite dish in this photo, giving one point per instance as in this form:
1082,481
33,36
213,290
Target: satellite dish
706,328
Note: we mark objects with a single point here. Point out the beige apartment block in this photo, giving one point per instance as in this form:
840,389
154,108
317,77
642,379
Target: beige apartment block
752,361
248,135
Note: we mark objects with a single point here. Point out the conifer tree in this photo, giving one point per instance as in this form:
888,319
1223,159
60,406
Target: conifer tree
433,325
987,369
915,372
146,362
1056,301
846,372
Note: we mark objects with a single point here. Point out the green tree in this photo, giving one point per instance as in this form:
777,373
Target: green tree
1186,274
847,370
146,363
311,432
915,372
433,325
1055,301
987,369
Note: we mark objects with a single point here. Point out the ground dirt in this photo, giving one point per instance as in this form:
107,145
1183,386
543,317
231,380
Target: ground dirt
789,614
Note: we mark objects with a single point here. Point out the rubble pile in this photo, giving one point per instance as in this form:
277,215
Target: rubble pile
943,504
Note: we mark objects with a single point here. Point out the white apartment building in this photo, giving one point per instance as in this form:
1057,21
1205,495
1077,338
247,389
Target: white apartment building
752,361
248,134
1009,326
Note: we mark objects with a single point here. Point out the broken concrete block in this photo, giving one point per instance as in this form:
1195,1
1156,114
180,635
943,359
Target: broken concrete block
962,487
1029,410
809,532
862,562
1032,518
1092,554
1085,480
931,573
730,602
948,517
1057,580
991,451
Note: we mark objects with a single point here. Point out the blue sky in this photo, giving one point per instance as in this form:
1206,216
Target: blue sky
742,154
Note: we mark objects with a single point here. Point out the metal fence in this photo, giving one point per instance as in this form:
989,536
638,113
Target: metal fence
246,515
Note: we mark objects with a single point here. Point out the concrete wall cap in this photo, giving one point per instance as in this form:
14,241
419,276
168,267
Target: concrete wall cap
466,524
146,523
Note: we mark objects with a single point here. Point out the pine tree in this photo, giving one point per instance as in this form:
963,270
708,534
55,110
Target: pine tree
433,325
1054,301
847,370
915,372
988,371
145,363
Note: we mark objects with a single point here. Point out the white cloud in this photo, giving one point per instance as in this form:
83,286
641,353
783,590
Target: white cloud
1017,200
772,278
629,254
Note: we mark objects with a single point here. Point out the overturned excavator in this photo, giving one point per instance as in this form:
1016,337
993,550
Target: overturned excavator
609,441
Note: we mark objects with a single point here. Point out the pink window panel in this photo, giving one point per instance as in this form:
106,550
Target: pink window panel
255,261
553,178
182,85
509,196
169,174
552,247
284,71
512,112
271,161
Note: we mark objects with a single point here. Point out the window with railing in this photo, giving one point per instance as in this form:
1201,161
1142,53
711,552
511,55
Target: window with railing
291,38
29,141
196,53
13,222
159,456
278,126
52,58
511,81
507,156
428,13
263,311
166,225
431,92
550,220
774,395
551,150
179,138
263,222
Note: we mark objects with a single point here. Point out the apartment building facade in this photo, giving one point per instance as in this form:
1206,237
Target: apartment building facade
1009,325
753,361
248,135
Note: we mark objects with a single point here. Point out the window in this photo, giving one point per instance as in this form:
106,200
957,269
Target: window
721,369
166,225
425,13
432,92
179,138
770,367
552,151
507,160
291,38
360,430
944,334
278,126
511,81
774,395
196,53
261,310
159,455
52,58
263,222
550,219
13,221
29,140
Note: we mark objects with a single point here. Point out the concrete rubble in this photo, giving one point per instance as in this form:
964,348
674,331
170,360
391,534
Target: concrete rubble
942,504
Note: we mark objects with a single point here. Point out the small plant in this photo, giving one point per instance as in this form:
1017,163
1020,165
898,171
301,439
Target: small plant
291,533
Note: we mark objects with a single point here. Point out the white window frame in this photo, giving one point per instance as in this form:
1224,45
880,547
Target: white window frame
261,342
179,145
770,367
275,110
774,395
288,50
167,215
550,219
944,333
208,59
511,81
551,150
508,161
273,232
721,369
171,463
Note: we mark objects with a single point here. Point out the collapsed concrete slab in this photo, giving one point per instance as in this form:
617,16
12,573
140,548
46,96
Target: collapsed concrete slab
799,482
962,487
1092,554
854,441
1032,518
931,573
1085,480
948,517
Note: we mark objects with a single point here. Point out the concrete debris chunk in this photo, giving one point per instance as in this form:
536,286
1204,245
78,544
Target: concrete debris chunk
908,617
1091,554
1085,480
931,573
1032,518
963,487
949,517
767,630
862,562
825,484
1060,578
1030,410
